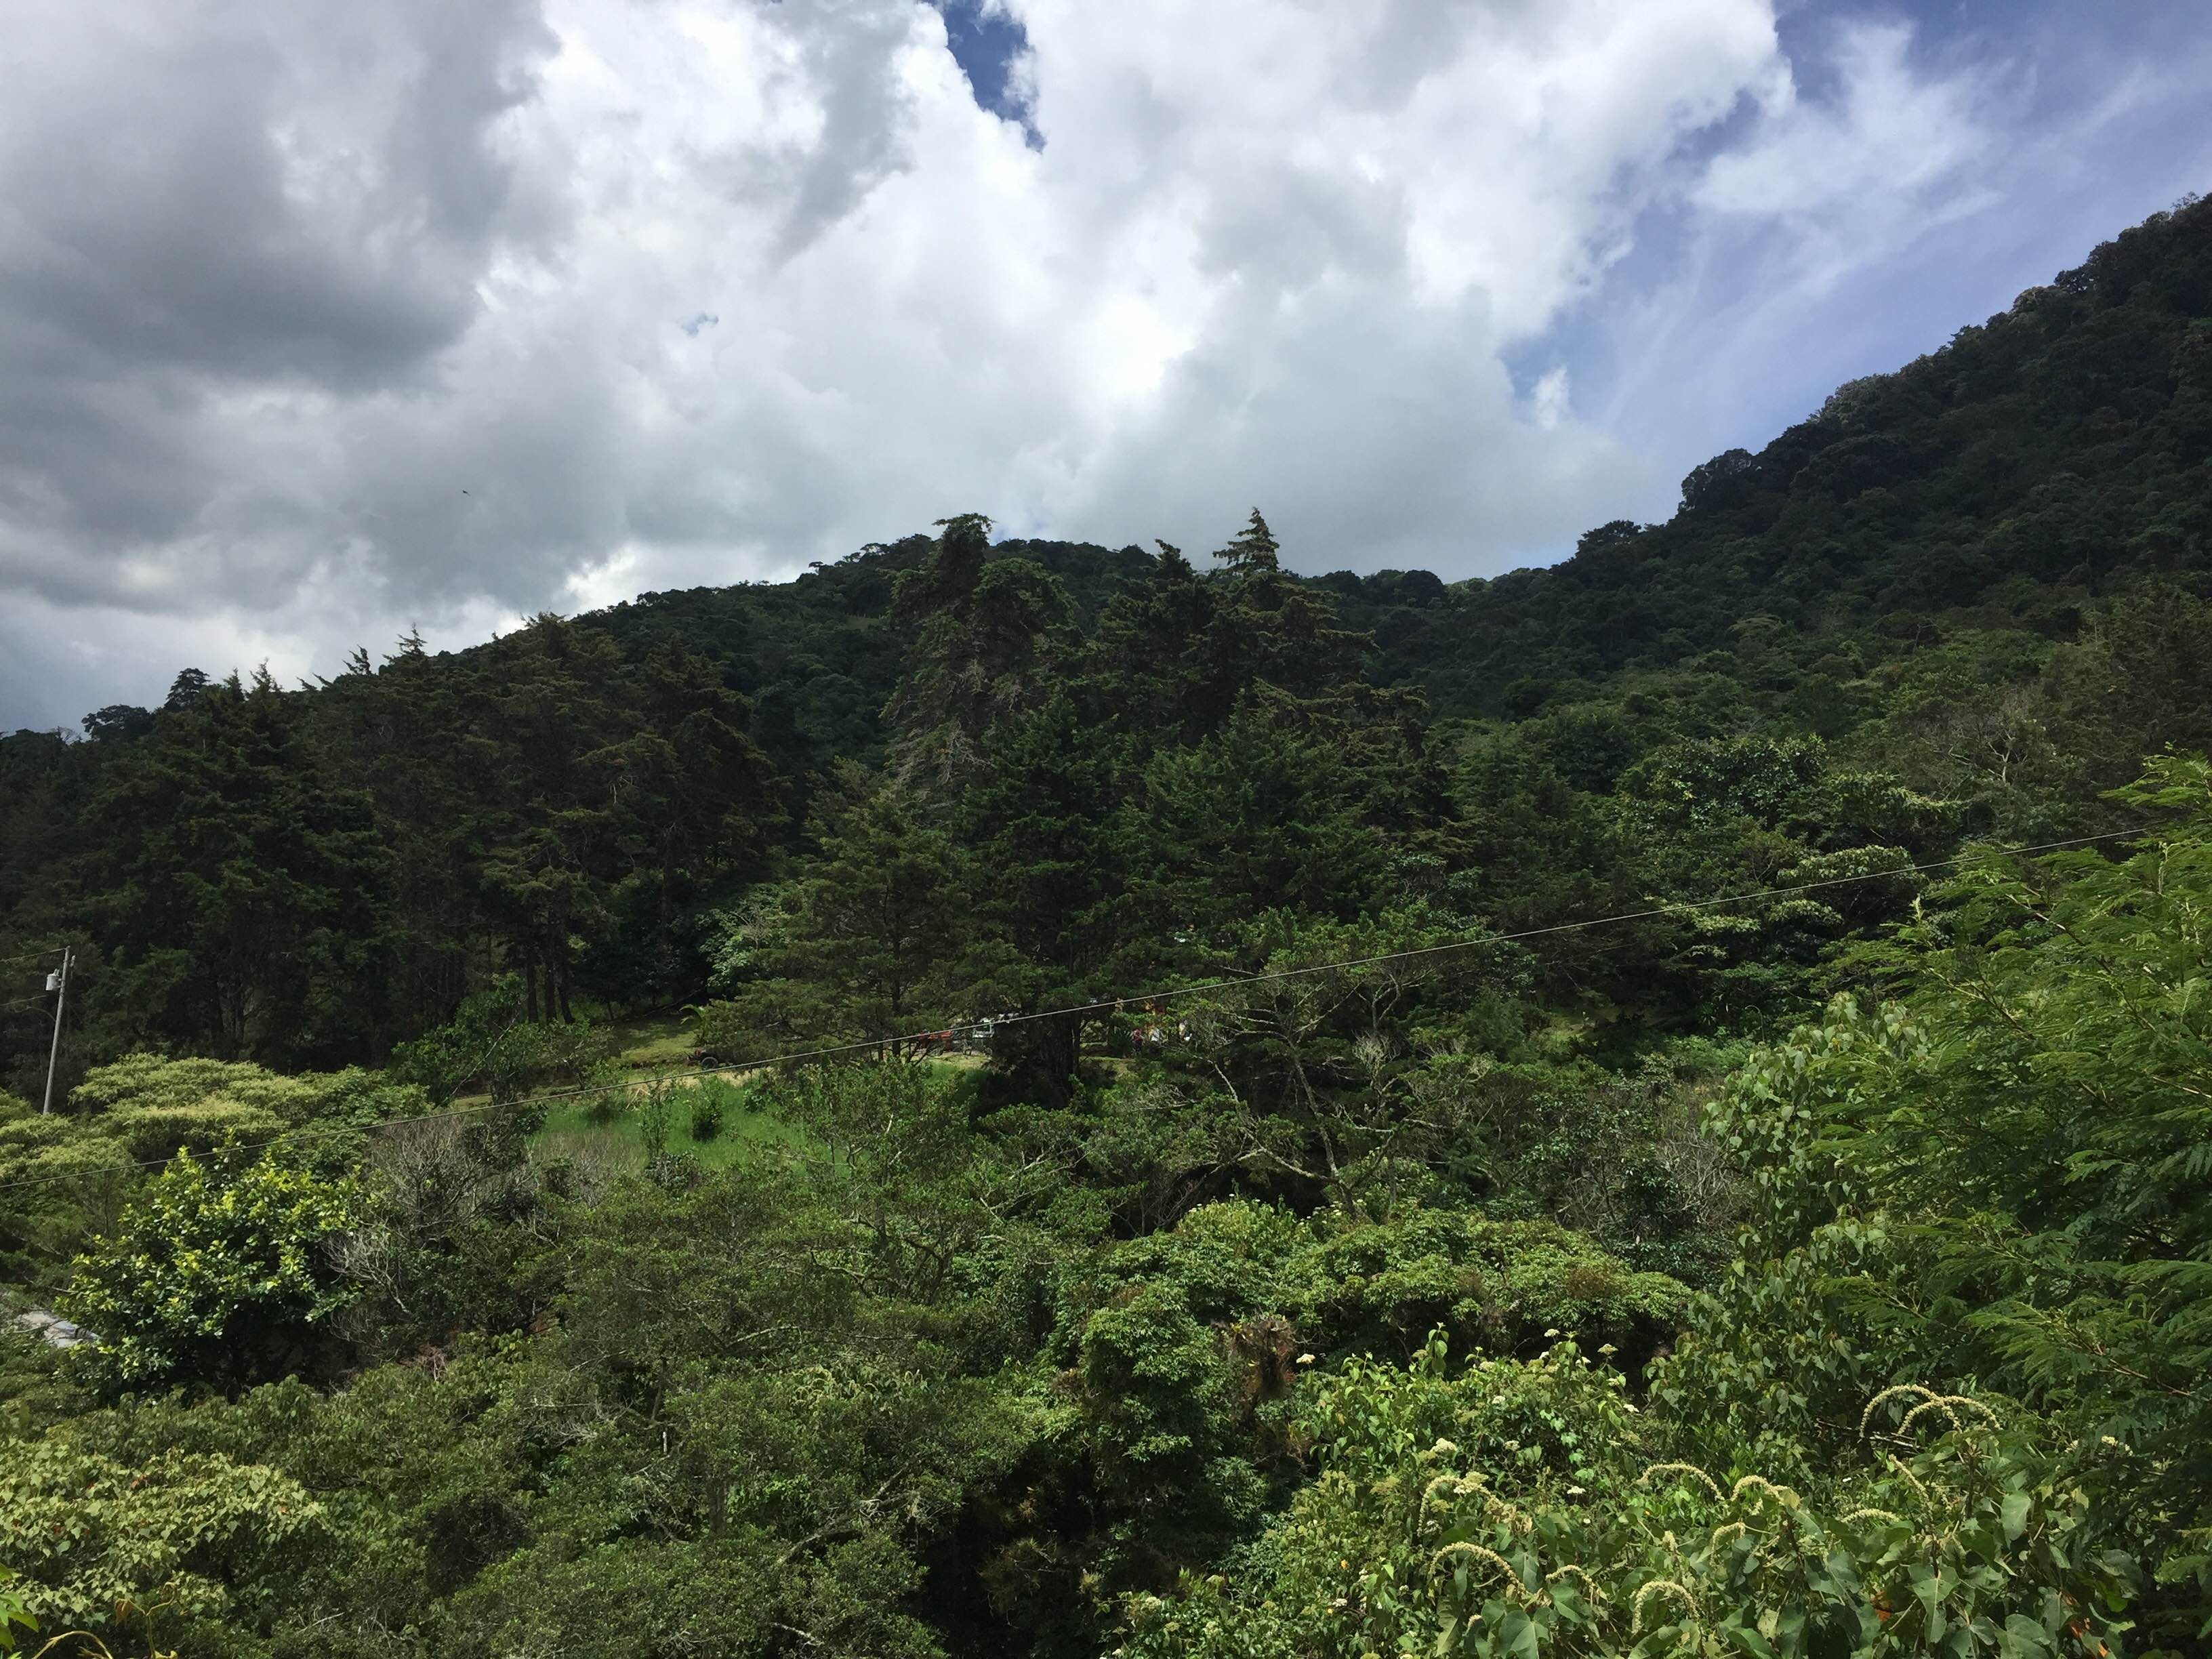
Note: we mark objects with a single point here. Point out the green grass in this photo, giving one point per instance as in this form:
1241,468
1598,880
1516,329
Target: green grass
574,1129
657,1039
642,1047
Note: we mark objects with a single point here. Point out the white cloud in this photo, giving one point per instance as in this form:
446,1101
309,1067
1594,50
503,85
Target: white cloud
1883,159
1885,190
342,316
1548,398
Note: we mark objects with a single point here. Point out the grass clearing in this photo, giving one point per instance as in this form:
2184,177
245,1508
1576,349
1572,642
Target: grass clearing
663,1039
717,1121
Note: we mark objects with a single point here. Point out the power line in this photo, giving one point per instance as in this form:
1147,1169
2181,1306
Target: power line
1670,909
29,955
1107,1005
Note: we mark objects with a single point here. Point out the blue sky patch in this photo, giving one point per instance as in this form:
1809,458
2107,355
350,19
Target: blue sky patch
985,43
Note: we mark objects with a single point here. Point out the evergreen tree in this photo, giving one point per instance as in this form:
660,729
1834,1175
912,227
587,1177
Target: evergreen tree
242,893
693,795
994,635
862,944
1045,861
546,724
1274,629
1253,549
186,689
1151,667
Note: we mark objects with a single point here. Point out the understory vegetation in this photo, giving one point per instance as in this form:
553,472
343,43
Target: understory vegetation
1023,1099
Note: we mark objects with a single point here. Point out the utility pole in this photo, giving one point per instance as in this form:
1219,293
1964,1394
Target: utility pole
56,981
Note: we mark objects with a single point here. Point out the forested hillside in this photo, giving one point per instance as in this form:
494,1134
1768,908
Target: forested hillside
1019,1099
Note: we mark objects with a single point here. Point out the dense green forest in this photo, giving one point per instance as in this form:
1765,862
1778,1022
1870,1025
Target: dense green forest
1659,1104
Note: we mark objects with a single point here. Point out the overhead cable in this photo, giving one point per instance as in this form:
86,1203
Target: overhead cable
1107,1005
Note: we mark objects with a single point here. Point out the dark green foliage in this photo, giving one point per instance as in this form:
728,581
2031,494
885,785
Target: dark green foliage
1949,1397
494,1045
2003,1179
862,946
237,889
1941,576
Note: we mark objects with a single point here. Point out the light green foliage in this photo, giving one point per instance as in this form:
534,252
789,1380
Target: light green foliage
1378,1287
56,1183
184,1541
157,1106
1347,1285
154,1083
79,1166
220,1268
1517,1508
15,1619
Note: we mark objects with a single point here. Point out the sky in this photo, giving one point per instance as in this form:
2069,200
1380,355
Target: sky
324,319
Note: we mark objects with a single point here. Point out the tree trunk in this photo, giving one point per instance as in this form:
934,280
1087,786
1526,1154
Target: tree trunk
1033,1063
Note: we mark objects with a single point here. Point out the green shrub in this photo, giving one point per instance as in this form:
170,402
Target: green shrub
1517,1508
219,1272
489,1044
653,1119
184,1541
66,1177
158,1106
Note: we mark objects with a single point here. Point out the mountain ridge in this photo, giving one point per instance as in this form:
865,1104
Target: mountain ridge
1954,456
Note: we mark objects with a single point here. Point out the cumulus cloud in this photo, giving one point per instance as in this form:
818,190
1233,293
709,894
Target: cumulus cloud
1882,159
318,321
1884,189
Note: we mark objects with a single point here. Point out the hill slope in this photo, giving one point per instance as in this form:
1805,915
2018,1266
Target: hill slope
1973,580
2040,461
